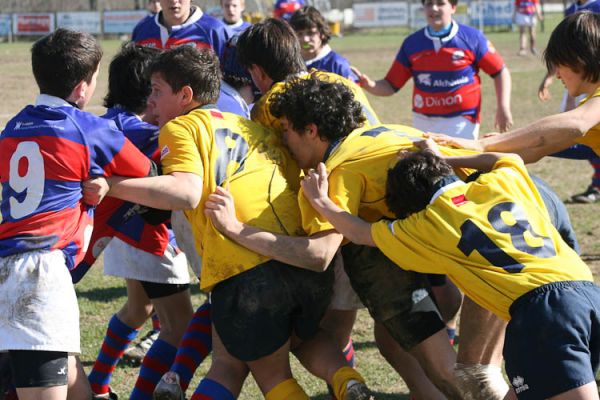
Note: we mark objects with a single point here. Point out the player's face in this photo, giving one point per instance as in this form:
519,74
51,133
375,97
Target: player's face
311,42
232,10
154,6
176,11
164,103
299,145
438,13
572,80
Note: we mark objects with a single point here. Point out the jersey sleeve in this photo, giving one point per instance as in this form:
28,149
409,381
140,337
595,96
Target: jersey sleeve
399,241
111,153
488,59
400,71
178,149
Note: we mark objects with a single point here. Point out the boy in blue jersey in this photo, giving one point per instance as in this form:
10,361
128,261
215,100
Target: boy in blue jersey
232,16
499,246
180,23
313,33
46,152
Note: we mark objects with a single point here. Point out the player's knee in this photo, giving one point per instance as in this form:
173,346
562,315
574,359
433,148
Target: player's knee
478,381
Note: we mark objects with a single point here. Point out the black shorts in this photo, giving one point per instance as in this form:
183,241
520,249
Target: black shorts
257,311
32,368
436,279
157,290
400,300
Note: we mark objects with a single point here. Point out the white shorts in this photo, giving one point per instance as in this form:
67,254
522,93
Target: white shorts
525,20
344,297
453,126
125,261
38,306
185,240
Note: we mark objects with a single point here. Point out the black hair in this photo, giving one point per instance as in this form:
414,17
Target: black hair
308,18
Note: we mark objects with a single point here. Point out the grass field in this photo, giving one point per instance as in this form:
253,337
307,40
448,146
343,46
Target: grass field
373,53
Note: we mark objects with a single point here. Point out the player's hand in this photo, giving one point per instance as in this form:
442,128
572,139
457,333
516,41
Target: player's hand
94,190
450,141
316,186
543,90
503,121
363,79
430,145
220,209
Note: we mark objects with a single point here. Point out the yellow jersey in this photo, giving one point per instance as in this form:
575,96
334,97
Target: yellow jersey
358,168
261,111
591,137
226,149
493,237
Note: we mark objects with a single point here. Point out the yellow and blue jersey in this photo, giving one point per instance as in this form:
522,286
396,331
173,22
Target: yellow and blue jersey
226,149
493,237
591,137
358,168
261,111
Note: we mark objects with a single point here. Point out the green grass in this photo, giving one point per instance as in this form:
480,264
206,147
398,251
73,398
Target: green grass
372,52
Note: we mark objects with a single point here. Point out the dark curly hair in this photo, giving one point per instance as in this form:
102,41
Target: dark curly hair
308,18
575,43
410,182
128,77
330,106
189,66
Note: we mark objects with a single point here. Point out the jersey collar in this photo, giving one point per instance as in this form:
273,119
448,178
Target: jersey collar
332,147
322,54
439,42
443,185
52,101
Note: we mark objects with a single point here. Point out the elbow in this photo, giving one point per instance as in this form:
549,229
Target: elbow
321,262
188,200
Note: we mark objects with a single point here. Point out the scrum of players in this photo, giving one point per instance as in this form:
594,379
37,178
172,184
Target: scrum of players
251,154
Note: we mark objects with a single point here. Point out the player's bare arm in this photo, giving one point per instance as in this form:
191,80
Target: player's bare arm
482,162
502,85
353,228
379,88
174,191
313,252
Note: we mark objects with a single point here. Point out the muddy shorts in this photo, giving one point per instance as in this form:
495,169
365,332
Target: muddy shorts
257,311
400,300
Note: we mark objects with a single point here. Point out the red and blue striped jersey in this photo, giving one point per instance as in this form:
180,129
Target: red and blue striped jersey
526,7
590,5
117,218
285,8
200,30
46,151
445,71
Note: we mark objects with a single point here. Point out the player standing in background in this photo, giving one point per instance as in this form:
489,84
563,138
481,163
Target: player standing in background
153,6
314,34
525,15
180,23
46,152
538,285
444,59
232,16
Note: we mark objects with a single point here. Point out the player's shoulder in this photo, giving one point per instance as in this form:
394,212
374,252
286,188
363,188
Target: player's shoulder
144,24
211,23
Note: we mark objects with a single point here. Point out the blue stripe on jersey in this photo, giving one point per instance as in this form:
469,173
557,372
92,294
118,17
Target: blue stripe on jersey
444,81
21,244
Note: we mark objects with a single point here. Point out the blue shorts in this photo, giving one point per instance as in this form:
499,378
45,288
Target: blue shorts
552,342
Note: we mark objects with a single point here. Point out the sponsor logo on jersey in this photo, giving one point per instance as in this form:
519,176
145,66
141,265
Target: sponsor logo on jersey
164,151
418,295
424,79
519,384
458,55
431,102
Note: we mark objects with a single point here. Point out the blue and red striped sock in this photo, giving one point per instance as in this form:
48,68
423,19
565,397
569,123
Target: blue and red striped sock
349,353
155,322
158,360
211,390
118,336
195,345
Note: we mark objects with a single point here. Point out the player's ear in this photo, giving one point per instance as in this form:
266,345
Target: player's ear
186,95
78,93
312,130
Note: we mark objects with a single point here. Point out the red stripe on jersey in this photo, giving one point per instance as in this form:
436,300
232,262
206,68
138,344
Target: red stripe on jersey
459,200
64,160
216,114
175,42
150,42
448,59
398,75
129,161
467,97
